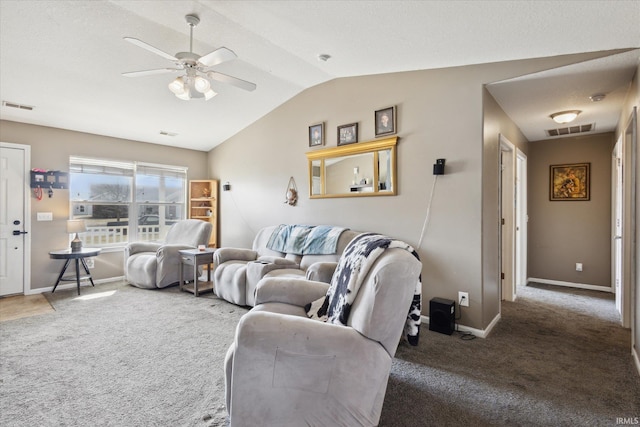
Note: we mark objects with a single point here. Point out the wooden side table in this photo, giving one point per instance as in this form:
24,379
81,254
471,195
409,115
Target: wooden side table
194,258
78,256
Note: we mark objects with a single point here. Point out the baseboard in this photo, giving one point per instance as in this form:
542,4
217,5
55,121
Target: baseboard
571,284
480,333
72,285
636,358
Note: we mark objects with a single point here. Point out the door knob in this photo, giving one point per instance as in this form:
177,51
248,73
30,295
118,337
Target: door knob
18,232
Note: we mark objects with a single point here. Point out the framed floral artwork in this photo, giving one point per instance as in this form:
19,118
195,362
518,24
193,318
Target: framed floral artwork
570,182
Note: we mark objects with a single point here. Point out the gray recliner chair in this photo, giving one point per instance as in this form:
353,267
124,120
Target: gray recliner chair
285,369
239,270
157,265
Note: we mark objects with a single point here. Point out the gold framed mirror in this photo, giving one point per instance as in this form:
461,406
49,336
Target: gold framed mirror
356,170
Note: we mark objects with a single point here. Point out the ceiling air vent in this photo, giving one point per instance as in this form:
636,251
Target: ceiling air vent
571,130
18,106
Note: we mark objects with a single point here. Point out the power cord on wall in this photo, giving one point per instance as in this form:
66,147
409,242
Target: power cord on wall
467,336
428,214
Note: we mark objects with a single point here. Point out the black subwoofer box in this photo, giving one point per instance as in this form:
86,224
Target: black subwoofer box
442,315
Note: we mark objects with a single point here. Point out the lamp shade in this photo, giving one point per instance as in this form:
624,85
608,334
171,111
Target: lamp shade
201,84
192,86
76,226
209,94
177,86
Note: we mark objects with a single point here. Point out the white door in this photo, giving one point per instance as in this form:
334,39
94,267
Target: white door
617,223
13,239
521,219
508,219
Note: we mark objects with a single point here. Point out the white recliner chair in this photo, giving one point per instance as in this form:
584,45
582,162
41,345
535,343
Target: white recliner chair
157,265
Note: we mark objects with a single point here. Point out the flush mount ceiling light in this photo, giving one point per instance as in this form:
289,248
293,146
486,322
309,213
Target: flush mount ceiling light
597,97
565,116
196,83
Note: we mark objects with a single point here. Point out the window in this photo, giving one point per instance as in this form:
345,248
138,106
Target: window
125,201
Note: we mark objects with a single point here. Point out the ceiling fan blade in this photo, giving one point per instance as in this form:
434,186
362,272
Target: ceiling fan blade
150,48
216,57
242,84
151,72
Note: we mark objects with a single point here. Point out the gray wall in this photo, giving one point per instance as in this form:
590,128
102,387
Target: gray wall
50,149
562,233
496,123
632,101
440,115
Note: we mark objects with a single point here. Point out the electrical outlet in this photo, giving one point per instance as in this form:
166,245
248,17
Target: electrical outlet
90,263
463,299
578,266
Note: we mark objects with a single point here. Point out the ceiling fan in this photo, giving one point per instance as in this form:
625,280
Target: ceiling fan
195,83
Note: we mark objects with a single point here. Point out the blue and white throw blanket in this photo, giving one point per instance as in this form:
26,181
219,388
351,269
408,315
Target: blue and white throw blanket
352,268
305,239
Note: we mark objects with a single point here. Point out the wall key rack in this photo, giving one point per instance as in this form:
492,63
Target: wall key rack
50,179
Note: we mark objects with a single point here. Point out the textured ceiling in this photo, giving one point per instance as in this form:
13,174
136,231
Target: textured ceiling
65,58
530,100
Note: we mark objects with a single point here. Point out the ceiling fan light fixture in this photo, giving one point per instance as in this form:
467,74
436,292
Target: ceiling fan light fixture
195,82
565,116
177,86
209,94
184,96
202,85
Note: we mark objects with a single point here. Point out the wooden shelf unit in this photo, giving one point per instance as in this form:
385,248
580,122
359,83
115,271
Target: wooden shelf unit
203,204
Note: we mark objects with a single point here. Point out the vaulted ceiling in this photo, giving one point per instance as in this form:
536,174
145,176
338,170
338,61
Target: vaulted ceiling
66,58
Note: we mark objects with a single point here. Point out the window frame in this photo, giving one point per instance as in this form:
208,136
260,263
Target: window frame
113,237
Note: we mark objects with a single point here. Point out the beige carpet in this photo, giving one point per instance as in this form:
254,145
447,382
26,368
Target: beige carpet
19,306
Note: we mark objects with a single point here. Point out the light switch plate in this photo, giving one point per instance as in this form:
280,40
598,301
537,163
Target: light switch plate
45,216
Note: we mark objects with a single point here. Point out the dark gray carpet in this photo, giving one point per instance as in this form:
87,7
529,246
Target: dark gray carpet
557,358
154,358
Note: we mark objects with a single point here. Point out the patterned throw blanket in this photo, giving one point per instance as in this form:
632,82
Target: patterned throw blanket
352,268
305,239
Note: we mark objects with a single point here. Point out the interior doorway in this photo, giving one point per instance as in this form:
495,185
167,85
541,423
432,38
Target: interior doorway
522,218
15,221
624,225
513,218
617,192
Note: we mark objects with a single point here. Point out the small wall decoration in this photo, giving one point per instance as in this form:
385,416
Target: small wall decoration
347,134
570,182
316,135
385,120
291,194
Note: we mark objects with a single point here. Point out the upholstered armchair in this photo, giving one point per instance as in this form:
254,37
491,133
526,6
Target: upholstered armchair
239,270
286,369
157,265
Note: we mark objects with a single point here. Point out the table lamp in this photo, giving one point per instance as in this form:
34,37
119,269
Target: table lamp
76,226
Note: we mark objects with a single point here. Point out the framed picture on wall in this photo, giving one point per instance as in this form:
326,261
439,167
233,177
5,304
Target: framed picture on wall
570,182
385,120
316,135
347,134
